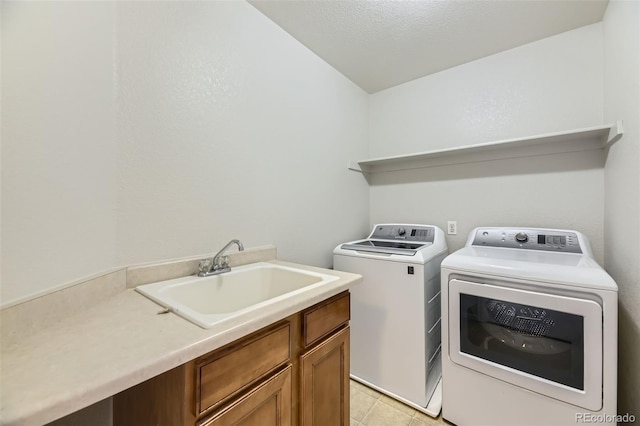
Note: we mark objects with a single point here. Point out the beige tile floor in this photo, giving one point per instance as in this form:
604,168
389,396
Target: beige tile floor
371,408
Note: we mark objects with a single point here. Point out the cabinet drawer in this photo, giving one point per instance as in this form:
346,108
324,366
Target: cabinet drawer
320,320
269,404
226,372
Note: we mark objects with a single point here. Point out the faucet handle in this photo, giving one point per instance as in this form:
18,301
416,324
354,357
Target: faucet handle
204,265
222,262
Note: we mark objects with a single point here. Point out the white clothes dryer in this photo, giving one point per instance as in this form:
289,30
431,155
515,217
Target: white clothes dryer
395,311
529,330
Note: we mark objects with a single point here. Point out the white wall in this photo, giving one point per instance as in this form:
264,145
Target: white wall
58,144
621,35
551,85
231,129
141,131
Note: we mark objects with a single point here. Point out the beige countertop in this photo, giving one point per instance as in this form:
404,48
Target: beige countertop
116,344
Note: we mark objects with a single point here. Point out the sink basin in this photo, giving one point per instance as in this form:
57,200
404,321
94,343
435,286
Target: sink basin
211,300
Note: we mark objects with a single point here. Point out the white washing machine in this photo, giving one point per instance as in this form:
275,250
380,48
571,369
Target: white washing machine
395,311
529,331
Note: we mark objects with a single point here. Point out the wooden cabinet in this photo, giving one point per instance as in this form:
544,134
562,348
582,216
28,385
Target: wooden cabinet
269,404
324,382
227,372
166,399
324,318
293,372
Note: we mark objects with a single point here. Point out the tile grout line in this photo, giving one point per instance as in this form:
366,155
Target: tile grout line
370,408
414,412
379,398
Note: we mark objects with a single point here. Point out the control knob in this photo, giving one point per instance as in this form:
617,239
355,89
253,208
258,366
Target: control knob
401,231
521,237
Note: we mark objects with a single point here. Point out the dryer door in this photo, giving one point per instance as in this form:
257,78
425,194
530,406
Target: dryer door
542,342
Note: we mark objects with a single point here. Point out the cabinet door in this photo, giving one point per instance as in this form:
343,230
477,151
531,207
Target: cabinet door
324,383
269,404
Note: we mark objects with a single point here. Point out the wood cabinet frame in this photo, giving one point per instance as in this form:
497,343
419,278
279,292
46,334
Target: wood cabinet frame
286,360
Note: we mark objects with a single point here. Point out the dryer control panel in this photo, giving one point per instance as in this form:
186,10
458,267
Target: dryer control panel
528,238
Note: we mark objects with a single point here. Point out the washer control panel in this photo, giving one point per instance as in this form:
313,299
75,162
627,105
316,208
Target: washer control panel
528,238
417,233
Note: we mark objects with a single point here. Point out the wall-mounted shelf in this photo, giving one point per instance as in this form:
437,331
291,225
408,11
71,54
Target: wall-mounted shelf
586,139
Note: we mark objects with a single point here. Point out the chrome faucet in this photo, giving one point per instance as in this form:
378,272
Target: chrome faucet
219,263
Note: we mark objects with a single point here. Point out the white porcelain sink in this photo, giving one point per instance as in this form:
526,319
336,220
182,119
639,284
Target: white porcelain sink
211,300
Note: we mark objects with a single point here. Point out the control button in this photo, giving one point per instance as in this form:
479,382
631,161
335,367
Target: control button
401,231
521,237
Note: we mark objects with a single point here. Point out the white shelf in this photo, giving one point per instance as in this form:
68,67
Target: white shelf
591,138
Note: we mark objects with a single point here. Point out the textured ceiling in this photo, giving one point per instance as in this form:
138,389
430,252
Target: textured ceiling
380,44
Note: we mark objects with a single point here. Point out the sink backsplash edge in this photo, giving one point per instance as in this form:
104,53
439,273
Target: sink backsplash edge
35,315
150,273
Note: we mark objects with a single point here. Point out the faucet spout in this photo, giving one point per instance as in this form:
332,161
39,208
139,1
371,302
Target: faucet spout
219,263
229,244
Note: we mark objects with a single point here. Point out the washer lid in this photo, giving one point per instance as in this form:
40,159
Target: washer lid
397,242
403,248
577,270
